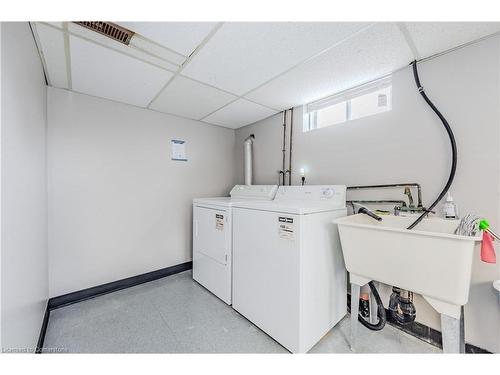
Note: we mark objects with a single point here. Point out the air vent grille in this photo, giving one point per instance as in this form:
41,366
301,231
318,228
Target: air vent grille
109,29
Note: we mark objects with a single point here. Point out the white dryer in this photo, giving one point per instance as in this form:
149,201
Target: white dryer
289,276
212,236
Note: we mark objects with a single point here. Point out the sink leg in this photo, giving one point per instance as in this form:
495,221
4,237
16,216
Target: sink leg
373,307
453,333
355,291
462,330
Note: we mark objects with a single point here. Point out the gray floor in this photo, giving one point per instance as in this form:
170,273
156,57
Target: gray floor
177,315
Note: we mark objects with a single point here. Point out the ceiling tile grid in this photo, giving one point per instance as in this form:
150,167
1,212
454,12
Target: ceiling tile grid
182,37
241,56
102,72
151,57
278,65
53,50
435,37
187,98
239,113
375,52
146,46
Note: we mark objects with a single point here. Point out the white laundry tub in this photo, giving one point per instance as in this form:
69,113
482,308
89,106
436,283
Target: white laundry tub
429,259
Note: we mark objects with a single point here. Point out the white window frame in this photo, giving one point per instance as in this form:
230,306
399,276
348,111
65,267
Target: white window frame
311,109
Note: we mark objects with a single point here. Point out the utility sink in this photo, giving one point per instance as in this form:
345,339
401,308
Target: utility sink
429,260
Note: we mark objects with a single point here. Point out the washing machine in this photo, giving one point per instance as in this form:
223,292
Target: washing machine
212,236
289,276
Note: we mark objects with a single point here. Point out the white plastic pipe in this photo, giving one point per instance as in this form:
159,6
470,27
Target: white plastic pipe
248,159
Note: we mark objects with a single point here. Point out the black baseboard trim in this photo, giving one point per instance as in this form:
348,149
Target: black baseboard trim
43,330
85,294
430,335
425,333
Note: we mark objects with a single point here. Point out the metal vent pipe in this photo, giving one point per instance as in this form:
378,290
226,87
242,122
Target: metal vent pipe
248,159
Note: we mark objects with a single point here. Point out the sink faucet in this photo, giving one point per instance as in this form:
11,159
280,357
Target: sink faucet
359,209
401,205
410,197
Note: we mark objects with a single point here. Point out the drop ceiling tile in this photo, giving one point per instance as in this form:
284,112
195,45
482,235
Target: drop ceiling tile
59,25
435,37
241,56
154,49
52,45
88,34
102,72
182,37
188,98
239,113
375,52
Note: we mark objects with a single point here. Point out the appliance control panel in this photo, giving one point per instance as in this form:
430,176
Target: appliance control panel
331,193
267,192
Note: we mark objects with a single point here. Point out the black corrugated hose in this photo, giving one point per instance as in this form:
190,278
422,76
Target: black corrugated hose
452,141
382,318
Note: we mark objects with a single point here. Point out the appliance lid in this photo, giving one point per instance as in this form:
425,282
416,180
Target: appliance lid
302,200
266,192
217,201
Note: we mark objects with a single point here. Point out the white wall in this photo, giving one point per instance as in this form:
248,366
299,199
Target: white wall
0,185
24,283
409,144
118,205
267,154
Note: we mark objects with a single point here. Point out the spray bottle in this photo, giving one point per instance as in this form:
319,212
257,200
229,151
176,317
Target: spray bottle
450,210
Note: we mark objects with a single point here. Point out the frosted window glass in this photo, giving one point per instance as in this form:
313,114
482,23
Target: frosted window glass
354,106
331,115
370,104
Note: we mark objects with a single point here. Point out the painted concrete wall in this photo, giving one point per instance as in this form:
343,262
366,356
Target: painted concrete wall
409,144
118,205
24,282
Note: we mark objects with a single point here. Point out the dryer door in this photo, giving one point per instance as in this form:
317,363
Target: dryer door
211,233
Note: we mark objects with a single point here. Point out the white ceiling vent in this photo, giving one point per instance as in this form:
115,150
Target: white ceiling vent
109,29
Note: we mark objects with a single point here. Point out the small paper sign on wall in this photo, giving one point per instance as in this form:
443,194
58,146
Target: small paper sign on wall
178,150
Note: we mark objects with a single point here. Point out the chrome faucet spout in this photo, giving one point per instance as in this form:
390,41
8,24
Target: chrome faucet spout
407,192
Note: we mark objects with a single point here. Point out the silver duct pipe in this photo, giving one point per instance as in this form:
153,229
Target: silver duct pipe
248,159
283,150
290,148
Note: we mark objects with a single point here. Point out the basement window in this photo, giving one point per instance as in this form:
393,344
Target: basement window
362,101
